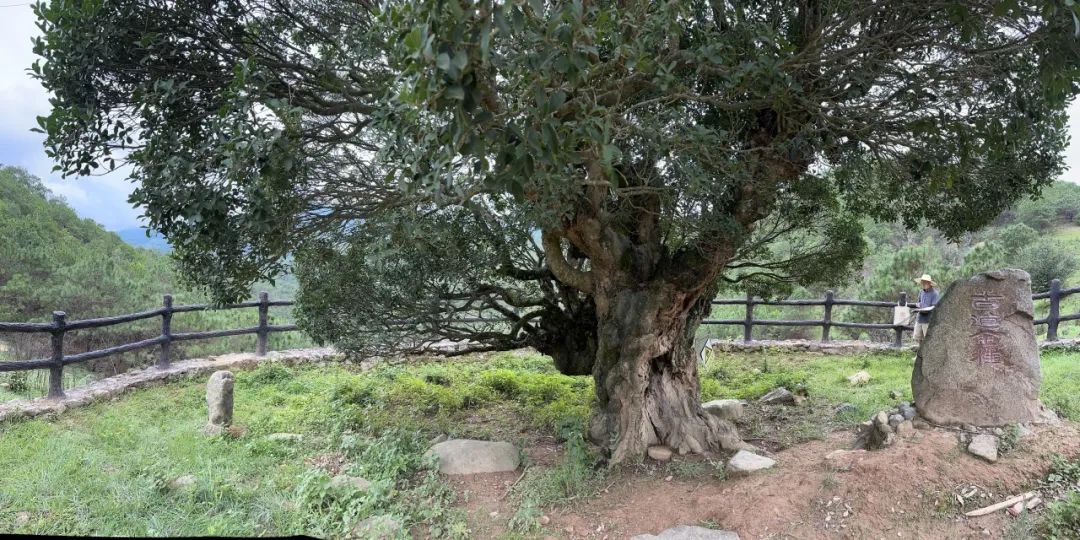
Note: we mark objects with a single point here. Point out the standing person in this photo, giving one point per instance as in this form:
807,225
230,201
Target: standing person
928,298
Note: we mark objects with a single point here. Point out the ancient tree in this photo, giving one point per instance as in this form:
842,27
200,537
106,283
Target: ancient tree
579,176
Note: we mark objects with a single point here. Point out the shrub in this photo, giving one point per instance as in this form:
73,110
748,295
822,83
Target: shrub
1045,261
1063,518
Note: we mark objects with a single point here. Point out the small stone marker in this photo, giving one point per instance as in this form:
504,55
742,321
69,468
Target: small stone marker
464,456
219,401
689,532
744,462
979,363
728,409
984,446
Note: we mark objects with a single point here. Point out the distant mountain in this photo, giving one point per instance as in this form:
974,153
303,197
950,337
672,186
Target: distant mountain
136,236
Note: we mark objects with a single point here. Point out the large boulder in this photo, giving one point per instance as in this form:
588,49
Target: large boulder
979,363
464,456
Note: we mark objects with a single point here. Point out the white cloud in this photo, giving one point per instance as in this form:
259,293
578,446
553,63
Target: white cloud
22,100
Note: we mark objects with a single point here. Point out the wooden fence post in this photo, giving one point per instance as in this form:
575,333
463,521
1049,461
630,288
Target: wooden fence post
898,341
56,371
1055,307
748,324
166,333
827,321
264,316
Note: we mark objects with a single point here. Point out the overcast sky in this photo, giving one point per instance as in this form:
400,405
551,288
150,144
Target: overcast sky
104,198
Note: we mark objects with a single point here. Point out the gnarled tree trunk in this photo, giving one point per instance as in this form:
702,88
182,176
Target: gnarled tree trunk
646,375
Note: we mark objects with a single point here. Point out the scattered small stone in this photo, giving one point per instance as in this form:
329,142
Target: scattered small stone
668,478
969,428
894,420
984,446
907,411
344,481
1019,507
859,378
778,396
744,462
905,428
659,452
881,422
728,409
544,520
182,482
285,437
493,515
999,432
689,532
382,527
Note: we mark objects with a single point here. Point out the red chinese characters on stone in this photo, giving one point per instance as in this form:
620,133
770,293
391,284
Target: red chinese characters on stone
986,321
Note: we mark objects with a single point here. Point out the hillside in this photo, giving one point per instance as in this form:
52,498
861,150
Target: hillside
50,259
137,237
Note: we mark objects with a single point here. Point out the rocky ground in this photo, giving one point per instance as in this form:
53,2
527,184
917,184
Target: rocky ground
919,487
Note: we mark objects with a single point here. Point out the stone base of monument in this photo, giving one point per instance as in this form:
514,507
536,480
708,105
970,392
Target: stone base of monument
979,363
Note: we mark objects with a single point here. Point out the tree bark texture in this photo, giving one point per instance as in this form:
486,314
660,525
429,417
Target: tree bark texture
646,375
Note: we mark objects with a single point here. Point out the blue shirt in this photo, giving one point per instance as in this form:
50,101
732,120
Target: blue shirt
927,299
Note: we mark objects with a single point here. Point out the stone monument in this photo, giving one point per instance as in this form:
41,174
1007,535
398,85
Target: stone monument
219,401
979,363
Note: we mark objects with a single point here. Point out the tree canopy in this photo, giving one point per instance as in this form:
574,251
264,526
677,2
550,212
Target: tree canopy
412,152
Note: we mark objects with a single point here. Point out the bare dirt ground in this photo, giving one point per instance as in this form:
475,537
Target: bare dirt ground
910,490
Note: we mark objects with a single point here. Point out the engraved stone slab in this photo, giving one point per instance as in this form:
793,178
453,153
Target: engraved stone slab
219,401
979,363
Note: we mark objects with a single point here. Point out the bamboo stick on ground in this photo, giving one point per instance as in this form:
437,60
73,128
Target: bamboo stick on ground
1003,504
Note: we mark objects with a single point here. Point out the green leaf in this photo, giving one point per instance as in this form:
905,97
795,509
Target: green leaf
461,59
443,62
413,41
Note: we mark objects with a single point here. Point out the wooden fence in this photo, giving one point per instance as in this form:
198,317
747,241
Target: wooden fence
1052,320
60,326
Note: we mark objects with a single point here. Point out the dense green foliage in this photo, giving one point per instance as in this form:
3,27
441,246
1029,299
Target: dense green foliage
895,256
734,140
52,260
659,149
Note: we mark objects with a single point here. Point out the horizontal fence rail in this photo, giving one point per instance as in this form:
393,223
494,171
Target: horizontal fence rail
60,326
1052,320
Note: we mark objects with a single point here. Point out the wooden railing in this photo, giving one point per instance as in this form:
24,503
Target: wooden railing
60,326
1052,320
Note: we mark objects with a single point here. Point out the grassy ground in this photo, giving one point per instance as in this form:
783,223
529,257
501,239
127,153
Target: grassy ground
111,469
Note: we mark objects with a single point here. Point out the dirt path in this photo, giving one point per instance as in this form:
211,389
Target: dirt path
906,491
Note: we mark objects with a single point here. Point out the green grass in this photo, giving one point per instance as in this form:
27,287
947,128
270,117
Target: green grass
106,469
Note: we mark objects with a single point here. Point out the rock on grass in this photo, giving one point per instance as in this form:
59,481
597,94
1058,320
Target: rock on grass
464,456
